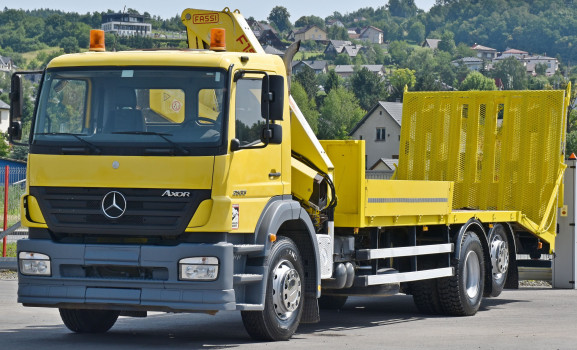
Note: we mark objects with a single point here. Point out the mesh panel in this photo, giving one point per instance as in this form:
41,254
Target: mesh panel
502,149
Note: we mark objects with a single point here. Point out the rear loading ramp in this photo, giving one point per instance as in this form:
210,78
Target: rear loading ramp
503,150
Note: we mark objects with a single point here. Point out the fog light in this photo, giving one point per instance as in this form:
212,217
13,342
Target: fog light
34,264
198,269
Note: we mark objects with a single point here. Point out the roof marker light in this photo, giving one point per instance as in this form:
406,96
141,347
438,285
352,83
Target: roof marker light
217,39
97,40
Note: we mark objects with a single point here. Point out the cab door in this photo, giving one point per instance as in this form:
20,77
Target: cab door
256,174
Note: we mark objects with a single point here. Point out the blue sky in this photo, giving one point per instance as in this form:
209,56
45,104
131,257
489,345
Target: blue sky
165,9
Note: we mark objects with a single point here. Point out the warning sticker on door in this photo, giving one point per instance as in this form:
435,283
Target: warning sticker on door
235,216
176,106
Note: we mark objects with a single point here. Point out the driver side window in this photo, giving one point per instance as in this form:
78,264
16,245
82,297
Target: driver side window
66,107
249,122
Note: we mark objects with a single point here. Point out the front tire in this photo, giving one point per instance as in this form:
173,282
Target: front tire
462,293
89,321
284,298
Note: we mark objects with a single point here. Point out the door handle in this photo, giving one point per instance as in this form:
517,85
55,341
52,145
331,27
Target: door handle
274,174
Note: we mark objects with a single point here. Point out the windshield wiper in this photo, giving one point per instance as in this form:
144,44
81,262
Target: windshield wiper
90,145
161,134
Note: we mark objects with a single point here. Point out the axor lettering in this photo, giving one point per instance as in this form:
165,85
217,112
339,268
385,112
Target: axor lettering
169,193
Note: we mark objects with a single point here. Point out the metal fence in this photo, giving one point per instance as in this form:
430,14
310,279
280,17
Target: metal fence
16,187
378,174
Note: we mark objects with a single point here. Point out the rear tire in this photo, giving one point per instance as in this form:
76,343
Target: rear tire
284,297
89,321
499,253
461,294
425,293
332,302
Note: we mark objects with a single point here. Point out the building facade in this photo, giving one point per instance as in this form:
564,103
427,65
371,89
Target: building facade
381,130
125,24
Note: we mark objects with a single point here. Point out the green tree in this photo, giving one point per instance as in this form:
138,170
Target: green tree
306,21
447,42
4,146
343,59
69,44
399,51
333,81
512,73
463,50
541,68
417,32
337,33
477,81
306,105
368,88
339,114
279,15
402,8
538,83
399,79
308,80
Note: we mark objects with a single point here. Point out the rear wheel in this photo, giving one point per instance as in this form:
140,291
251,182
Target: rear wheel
284,295
425,293
461,294
499,250
89,321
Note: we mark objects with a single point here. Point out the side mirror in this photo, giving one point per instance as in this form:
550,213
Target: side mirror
272,99
272,134
16,107
235,145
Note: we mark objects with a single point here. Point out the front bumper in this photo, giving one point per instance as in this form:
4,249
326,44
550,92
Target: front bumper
70,286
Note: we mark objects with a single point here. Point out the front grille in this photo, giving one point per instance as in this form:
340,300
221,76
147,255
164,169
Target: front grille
115,272
76,210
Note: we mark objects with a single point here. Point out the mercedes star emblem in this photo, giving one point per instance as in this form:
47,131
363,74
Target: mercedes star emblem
113,205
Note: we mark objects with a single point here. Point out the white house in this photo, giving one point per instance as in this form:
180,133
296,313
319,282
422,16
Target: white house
485,52
6,64
550,62
346,70
514,53
385,164
381,130
472,63
372,34
125,24
431,43
317,66
4,116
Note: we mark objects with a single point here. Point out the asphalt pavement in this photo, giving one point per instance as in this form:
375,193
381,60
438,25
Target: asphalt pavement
528,318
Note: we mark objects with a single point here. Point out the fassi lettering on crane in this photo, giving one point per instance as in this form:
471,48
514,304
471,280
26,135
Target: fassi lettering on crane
205,19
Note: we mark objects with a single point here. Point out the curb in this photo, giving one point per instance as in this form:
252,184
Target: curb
8,264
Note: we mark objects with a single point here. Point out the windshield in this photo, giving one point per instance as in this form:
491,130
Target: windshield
132,111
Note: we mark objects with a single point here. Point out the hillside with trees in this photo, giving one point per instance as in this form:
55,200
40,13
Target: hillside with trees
332,104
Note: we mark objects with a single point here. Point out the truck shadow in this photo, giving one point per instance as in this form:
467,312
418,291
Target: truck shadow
360,313
224,330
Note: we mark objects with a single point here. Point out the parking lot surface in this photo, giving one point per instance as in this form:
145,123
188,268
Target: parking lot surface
528,318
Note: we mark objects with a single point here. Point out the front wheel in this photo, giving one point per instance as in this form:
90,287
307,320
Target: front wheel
89,321
461,294
284,295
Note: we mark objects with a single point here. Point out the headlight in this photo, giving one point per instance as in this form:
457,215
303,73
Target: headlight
34,264
203,268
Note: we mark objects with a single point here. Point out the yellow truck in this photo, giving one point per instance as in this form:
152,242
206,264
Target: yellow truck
189,181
